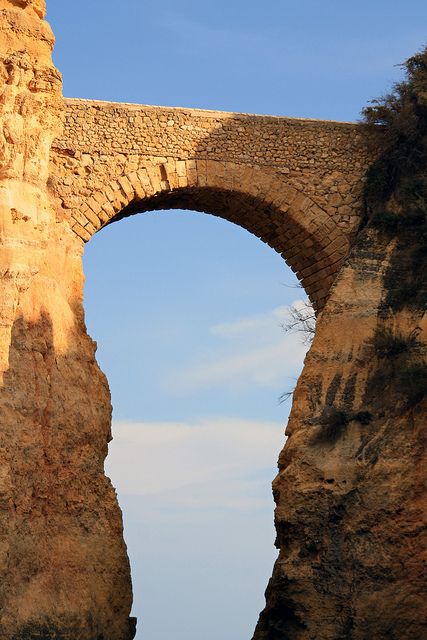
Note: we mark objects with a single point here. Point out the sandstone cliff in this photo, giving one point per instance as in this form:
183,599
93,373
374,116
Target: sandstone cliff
350,493
64,570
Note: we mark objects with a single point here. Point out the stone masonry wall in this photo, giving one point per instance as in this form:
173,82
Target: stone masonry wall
294,183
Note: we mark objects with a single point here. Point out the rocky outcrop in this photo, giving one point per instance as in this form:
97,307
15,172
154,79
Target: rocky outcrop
351,493
63,564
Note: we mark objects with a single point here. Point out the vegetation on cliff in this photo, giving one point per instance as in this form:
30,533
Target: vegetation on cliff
396,186
402,138
396,205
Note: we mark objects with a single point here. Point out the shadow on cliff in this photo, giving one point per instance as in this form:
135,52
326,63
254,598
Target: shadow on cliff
64,558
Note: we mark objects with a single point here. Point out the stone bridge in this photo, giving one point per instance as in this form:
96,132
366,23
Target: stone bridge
294,183
350,489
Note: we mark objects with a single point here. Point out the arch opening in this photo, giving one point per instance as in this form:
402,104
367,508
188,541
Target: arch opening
130,211
313,254
256,198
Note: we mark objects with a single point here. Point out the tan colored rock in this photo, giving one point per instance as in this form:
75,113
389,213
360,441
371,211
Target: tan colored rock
63,563
350,492
351,497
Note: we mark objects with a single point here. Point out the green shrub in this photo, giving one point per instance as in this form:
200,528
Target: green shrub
388,344
395,195
413,187
413,382
404,292
364,417
385,220
333,422
415,217
391,221
397,128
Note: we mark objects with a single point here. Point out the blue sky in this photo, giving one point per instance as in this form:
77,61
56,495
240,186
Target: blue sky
186,308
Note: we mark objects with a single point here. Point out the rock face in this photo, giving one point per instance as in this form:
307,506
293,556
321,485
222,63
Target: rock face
350,493
64,570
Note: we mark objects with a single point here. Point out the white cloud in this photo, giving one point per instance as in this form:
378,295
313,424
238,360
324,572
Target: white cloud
223,462
220,462
249,324
265,367
263,355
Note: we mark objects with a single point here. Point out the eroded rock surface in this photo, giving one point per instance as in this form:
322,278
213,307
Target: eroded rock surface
351,489
64,570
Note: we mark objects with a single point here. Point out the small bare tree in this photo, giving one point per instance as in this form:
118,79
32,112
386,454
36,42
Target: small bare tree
285,396
302,320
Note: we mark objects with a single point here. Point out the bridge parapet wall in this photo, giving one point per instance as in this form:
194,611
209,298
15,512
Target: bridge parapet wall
325,160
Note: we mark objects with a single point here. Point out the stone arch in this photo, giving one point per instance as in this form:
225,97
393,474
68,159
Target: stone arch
256,198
